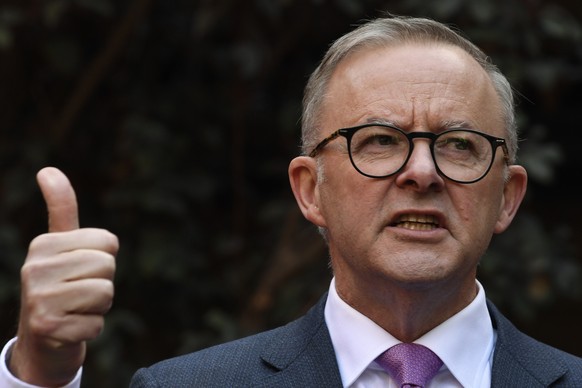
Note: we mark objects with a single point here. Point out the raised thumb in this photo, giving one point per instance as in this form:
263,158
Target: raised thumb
60,199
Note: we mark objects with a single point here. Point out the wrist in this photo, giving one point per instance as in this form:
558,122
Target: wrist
44,366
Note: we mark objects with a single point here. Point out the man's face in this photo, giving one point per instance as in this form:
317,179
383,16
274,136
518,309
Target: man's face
377,230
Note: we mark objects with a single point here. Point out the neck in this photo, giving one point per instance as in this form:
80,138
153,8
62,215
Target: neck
407,311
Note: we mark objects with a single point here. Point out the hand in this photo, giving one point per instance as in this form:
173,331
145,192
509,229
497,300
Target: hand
67,287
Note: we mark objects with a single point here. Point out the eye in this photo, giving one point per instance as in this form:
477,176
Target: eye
457,143
462,145
381,139
378,140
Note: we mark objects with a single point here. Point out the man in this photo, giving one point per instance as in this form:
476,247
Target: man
408,169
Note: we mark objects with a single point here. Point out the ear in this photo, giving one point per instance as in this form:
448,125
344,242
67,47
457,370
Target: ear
303,179
513,195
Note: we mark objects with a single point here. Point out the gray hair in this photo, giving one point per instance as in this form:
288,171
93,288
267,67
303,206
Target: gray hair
386,31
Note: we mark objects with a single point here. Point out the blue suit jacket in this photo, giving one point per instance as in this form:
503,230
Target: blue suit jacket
300,354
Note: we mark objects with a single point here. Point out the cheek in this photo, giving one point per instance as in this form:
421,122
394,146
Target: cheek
479,209
351,202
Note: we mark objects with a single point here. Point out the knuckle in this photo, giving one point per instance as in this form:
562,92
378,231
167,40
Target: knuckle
30,270
36,302
43,325
96,328
107,291
110,265
103,264
106,241
111,242
38,243
110,290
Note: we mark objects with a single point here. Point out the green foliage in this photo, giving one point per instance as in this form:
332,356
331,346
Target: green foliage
176,121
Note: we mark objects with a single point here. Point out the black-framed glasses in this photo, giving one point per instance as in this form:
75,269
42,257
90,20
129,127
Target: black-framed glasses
380,150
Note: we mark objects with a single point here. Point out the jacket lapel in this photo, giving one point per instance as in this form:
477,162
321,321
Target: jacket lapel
519,360
302,354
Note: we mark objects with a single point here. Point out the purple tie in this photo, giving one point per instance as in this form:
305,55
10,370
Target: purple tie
411,365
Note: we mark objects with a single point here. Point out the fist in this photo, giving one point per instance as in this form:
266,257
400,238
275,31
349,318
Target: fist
67,288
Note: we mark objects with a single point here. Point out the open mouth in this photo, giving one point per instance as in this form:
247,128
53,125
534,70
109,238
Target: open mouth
417,222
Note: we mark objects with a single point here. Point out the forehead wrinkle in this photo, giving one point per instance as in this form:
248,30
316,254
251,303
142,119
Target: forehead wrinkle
446,111
427,104
417,112
419,96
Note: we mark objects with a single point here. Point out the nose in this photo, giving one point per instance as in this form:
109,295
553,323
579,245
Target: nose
420,172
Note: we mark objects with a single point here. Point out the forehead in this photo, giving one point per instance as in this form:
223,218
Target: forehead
414,86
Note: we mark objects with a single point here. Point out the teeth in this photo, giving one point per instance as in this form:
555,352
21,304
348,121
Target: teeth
422,218
418,222
416,226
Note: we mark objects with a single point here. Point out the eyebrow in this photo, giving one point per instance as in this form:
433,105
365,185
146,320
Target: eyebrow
443,125
449,124
376,120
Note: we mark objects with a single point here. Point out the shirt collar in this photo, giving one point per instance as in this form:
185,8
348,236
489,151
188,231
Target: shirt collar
464,342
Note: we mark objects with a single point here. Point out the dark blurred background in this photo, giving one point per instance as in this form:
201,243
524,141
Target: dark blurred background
176,120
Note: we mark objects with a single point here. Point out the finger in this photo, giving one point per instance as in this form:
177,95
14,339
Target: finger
50,244
69,266
53,308
87,296
74,329
82,327
60,198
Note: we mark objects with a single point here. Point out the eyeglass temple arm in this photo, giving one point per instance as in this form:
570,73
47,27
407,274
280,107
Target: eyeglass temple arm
503,144
323,143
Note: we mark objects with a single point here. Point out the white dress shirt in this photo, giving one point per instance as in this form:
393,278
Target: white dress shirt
465,344
7,380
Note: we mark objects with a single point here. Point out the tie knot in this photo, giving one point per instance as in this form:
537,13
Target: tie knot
410,364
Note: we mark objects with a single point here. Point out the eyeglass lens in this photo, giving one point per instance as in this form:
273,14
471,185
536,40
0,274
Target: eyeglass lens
460,155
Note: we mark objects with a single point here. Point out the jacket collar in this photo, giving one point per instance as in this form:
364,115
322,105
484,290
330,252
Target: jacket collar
519,360
302,353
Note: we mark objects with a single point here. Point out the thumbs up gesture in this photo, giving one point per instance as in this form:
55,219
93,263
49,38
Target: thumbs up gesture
67,287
